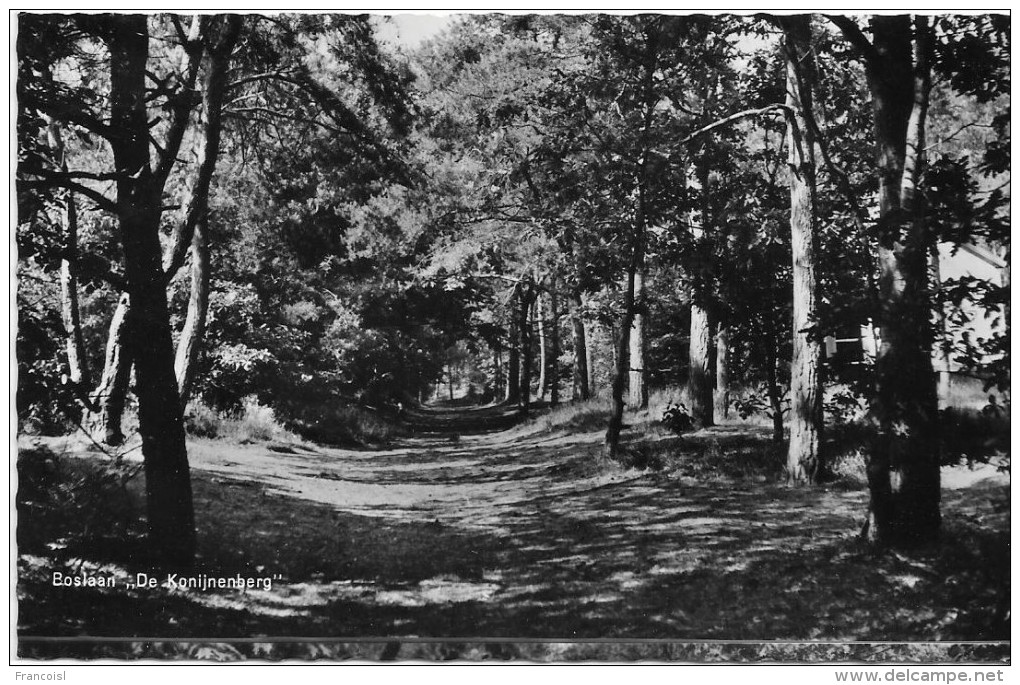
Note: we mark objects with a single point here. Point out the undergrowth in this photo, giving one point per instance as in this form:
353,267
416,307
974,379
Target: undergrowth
256,423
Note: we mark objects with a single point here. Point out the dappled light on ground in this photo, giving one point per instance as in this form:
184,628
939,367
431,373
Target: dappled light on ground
527,536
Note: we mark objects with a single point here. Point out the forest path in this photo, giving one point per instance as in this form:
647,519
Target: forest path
519,533
466,467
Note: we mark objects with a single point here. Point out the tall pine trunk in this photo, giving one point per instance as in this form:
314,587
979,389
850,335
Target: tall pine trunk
543,359
803,459
775,392
581,389
592,338
638,386
169,509
527,353
513,364
699,378
554,341
611,443
722,373
699,381
497,369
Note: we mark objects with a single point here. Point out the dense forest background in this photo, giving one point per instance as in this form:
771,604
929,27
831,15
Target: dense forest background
242,227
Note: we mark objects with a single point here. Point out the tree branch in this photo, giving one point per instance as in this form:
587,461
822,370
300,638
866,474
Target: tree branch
254,78
852,32
52,175
97,197
734,117
181,103
236,111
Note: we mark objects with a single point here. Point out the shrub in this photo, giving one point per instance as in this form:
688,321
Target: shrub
253,423
974,436
677,419
81,500
342,425
642,456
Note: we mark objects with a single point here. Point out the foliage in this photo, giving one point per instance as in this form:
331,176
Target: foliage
677,419
757,401
843,405
90,504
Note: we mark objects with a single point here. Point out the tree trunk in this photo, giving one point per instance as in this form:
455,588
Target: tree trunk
592,344
198,307
527,354
497,366
775,394
722,373
581,388
543,360
74,342
803,459
110,395
513,365
221,41
554,340
638,386
611,443
699,379
699,382
170,513
903,468
943,340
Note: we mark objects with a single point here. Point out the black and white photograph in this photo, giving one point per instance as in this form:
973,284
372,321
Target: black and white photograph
588,336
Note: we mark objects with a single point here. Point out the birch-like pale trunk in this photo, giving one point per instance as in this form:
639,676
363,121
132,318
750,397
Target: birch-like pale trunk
74,341
638,385
196,217
722,373
527,354
198,307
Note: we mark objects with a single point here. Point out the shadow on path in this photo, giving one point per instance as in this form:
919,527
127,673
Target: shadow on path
500,536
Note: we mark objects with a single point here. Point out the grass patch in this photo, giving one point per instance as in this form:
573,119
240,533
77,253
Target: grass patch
334,425
577,417
254,423
712,454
